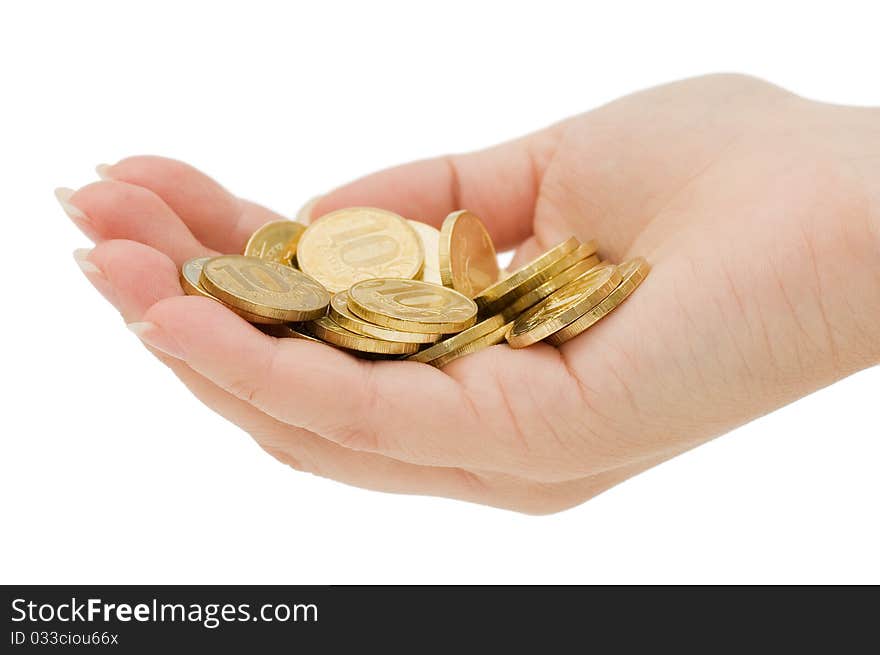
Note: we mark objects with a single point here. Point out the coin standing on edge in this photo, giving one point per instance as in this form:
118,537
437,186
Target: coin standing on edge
191,272
430,237
412,306
468,262
564,306
347,246
275,241
264,288
633,273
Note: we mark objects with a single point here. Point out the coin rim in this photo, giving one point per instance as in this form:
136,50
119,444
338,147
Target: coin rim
409,325
358,325
614,300
195,289
413,223
289,332
325,328
447,234
459,340
527,277
492,339
289,250
556,322
266,311
549,287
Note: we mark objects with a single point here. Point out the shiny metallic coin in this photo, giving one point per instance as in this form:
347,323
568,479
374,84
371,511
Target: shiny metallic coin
412,306
532,275
275,241
344,317
264,288
468,262
632,273
327,330
563,307
430,237
190,274
458,341
359,243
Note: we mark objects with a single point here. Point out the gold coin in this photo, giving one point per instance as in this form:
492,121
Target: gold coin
468,262
412,306
359,243
264,288
327,330
532,275
563,307
275,241
430,237
491,339
288,331
344,317
190,273
632,273
458,341
521,304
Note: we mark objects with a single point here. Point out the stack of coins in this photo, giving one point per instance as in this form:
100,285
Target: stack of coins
380,286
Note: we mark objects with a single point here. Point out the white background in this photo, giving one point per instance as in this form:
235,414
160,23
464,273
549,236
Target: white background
111,472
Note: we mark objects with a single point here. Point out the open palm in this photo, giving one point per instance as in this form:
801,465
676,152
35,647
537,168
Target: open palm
756,208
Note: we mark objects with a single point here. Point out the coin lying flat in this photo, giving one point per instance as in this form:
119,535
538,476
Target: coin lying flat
632,273
564,306
264,288
327,330
460,340
468,262
191,272
493,338
344,317
288,331
359,243
555,283
387,297
430,237
532,275
411,306
275,241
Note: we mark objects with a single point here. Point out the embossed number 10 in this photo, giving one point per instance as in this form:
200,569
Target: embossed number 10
256,277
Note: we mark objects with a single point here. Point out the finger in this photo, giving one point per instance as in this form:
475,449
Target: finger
120,268
118,210
404,410
217,218
500,185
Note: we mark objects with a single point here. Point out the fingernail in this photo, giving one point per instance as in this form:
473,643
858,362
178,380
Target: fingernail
80,255
95,275
63,195
103,171
77,215
152,335
304,215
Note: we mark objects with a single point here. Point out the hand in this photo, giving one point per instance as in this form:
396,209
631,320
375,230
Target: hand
757,209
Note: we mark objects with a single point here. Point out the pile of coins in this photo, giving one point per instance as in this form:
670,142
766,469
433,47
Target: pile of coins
380,286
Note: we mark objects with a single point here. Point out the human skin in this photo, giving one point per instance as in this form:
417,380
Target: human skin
758,210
